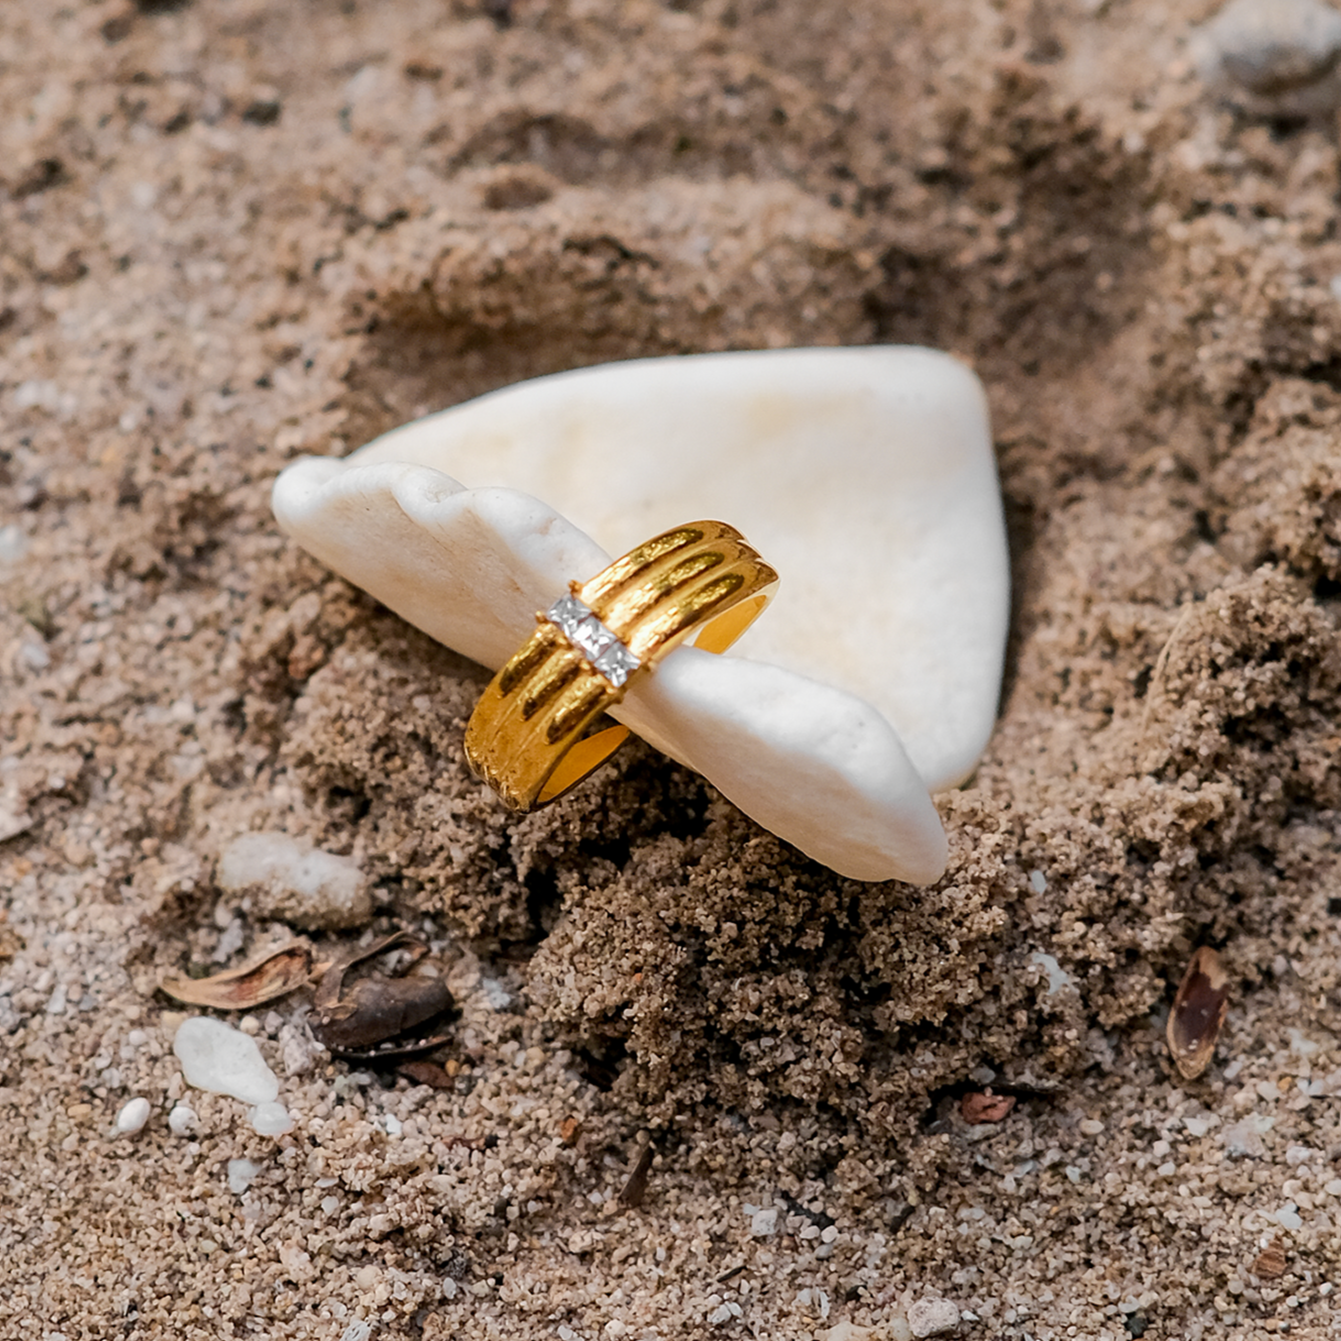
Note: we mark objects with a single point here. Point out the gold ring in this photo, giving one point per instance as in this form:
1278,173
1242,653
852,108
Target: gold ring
527,736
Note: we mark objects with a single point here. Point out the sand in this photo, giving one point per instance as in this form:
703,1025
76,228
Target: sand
234,232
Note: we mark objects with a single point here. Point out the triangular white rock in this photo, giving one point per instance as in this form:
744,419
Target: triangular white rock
865,476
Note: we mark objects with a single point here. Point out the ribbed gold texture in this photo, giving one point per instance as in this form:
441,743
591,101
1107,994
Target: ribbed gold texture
527,736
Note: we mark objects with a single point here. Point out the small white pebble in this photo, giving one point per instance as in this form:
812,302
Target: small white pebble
270,1119
1333,1187
1301,1044
132,1117
498,996
34,655
13,542
215,1057
931,1317
830,1233
847,1331
393,1125
1288,1216
764,1223
1058,977
182,1121
1296,1155
1038,882
1091,1127
240,1174
1271,47
291,881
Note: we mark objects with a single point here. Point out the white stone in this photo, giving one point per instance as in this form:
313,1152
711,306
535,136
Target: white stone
763,1223
1058,978
1282,52
847,1331
271,1119
865,476
1301,1044
931,1317
1244,1138
240,1174
14,545
294,882
223,1060
132,1117
183,1120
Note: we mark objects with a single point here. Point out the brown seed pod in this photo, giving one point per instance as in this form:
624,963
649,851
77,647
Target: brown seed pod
1198,1012
377,1018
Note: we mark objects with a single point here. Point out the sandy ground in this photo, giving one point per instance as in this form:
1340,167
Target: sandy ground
234,231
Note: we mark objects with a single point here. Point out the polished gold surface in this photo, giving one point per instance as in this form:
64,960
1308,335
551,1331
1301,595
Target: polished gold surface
528,734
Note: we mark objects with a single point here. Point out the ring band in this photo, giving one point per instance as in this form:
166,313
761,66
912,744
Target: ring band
526,737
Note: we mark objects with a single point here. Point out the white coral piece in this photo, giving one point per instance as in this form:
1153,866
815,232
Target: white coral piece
865,476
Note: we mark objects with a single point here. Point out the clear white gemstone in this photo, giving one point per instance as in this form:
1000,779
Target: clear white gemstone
568,612
578,621
593,638
616,664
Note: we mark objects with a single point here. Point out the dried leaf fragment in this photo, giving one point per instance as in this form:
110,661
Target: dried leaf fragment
1199,1009
979,1108
266,977
635,1185
1270,1262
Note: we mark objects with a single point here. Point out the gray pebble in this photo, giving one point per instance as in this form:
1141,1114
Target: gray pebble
1273,49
